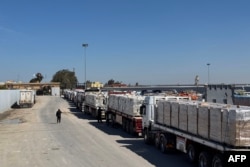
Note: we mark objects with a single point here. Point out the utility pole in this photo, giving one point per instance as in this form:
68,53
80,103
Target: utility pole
85,45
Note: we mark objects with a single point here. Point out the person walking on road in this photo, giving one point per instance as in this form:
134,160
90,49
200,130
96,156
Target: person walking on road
99,114
58,115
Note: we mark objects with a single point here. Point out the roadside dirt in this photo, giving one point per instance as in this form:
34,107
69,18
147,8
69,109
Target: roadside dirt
19,115
5,114
13,115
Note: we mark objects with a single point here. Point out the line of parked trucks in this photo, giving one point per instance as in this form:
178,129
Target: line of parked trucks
209,133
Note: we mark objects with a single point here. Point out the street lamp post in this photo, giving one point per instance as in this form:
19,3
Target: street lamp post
208,73
85,45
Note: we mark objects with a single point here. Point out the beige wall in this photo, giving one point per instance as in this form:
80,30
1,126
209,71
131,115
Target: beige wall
34,86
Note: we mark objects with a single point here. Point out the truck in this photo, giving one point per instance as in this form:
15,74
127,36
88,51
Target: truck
80,97
206,132
26,98
124,110
94,101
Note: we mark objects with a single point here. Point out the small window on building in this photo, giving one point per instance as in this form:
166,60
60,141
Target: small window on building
214,100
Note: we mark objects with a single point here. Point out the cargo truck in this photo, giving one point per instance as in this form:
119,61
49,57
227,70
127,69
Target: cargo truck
206,132
80,97
26,98
124,110
94,100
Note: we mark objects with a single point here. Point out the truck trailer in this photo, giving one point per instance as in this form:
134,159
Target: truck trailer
80,97
93,101
124,110
26,98
207,132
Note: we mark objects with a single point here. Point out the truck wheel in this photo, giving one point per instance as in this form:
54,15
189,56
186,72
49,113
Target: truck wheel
204,159
191,153
129,127
113,120
124,124
163,142
107,119
145,136
217,161
157,142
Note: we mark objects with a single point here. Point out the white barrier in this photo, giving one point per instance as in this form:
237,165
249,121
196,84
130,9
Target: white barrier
7,99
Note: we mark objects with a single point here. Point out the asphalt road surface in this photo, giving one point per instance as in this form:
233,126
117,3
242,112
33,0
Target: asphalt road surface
30,137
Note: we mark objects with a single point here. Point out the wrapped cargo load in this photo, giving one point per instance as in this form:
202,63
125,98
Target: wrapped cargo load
175,114
236,126
215,121
127,104
221,123
203,120
133,105
113,102
183,115
159,115
167,113
192,110
96,100
172,112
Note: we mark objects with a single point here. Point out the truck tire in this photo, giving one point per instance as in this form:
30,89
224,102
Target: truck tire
128,126
124,124
145,136
217,160
163,142
107,118
131,129
85,110
113,120
192,153
204,159
157,141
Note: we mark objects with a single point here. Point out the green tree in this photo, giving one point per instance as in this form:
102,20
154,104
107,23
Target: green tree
3,87
67,79
112,82
38,78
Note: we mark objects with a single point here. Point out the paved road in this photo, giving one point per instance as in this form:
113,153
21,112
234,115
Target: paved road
32,138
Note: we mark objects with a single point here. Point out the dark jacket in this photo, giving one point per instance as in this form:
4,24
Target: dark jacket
58,113
99,113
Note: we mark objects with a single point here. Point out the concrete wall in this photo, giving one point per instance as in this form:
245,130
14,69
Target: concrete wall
219,94
7,99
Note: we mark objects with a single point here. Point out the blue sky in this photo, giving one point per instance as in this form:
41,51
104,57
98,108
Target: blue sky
144,41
